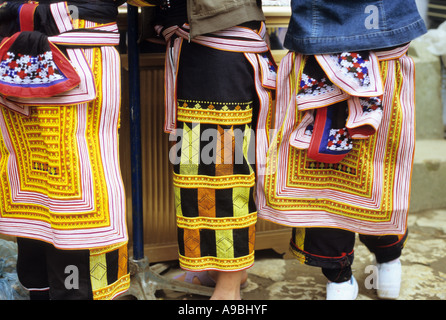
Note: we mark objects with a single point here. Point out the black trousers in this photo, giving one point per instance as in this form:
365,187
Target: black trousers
50,273
42,269
333,249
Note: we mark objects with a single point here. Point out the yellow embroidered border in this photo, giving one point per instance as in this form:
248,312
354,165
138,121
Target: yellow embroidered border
218,182
214,116
307,173
217,223
204,263
103,250
37,142
47,157
111,291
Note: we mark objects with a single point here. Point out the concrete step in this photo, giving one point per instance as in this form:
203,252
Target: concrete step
429,176
428,92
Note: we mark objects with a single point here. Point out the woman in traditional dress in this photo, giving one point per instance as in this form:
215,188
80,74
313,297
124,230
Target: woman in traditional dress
342,157
219,78
61,190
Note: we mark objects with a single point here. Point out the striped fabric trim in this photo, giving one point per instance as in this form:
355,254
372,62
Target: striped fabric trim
391,54
104,35
236,39
263,125
19,108
298,138
308,103
214,116
83,233
358,118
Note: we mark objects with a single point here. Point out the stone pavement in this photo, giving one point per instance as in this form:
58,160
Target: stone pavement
280,277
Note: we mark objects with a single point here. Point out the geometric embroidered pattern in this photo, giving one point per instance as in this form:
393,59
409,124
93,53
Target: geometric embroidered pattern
111,291
47,155
207,222
368,190
28,69
356,64
216,223
59,167
220,182
98,271
215,113
338,139
211,111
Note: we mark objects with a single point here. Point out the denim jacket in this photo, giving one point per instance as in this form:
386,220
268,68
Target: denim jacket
328,26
